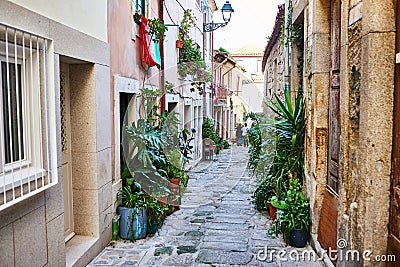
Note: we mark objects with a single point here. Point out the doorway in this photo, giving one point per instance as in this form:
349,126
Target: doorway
65,110
327,234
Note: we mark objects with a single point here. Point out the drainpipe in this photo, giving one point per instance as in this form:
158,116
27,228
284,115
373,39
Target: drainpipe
162,72
287,73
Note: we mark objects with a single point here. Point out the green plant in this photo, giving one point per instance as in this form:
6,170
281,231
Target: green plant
210,133
296,210
156,29
188,22
263,192
169,87
155,210
131,195
221,49
185,147
290,132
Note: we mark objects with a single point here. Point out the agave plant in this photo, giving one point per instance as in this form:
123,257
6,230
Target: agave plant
290,130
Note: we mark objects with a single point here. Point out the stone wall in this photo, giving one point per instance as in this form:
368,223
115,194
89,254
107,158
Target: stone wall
275,71
366,110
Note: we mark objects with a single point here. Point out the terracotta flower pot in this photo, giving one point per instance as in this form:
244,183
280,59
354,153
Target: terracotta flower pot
272,211
179,43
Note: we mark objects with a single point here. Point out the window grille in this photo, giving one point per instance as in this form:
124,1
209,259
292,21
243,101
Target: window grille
28,153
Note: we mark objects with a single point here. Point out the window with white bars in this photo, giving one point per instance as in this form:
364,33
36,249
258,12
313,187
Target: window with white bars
28,153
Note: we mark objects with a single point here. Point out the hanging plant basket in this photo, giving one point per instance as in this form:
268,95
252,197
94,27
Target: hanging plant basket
179,43
137,17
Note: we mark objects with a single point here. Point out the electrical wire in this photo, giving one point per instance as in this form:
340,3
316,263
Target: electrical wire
169,14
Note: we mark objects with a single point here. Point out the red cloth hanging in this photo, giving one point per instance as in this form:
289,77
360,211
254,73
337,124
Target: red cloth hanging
146,40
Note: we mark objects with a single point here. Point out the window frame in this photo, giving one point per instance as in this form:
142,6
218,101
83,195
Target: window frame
39,171
16,164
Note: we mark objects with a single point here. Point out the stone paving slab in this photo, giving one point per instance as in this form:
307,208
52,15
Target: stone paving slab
217,225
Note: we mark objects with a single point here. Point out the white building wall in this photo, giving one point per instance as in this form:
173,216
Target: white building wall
87,16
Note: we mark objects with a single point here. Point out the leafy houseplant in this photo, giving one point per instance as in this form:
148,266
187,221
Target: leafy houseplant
156,29
133,220
296,214
155,214
188,22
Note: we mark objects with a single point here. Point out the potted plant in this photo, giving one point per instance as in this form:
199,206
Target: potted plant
155,214
295,216
179,43
133,215
156,29
137,17
188,22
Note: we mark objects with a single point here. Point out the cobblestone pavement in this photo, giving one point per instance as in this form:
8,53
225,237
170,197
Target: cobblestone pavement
216,225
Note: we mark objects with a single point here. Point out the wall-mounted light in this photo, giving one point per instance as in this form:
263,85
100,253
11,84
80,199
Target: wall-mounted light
226,14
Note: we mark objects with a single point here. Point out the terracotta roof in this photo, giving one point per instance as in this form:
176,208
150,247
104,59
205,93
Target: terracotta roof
275,34
249,50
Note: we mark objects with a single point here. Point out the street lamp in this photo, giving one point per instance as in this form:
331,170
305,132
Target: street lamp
226,14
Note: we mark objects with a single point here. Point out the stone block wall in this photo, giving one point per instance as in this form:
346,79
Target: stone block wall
32,231
366,114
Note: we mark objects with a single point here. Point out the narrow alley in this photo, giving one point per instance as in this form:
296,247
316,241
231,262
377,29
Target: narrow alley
216,225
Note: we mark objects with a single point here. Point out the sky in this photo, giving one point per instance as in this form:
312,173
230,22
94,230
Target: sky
251,22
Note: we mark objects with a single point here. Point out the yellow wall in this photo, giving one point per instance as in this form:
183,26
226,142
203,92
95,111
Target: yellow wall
88,16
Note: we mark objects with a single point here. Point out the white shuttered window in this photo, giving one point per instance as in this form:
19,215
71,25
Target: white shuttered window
28,154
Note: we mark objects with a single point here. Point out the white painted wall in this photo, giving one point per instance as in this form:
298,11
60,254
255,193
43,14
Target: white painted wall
87,16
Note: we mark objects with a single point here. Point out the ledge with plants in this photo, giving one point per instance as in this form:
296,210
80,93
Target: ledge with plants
190,61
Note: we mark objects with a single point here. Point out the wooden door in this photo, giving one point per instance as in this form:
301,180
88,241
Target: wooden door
394,224
327,235
66,151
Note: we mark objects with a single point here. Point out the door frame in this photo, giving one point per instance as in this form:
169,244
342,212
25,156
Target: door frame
66,156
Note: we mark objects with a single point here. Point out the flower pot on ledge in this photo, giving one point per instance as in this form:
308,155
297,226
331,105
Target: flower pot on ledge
179,43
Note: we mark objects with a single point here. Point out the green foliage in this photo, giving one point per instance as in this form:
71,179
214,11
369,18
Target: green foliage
263,192
188,22
185,147
150,138
169,87
132,195
210,133
155,210
290,33
281,181
296,210
190,52
221,49
156,29
290,130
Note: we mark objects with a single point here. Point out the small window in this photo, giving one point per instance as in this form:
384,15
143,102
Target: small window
143,7
28,148
13,125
